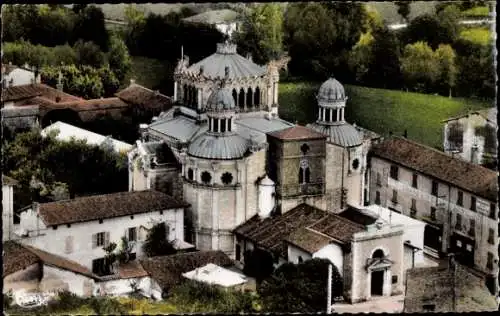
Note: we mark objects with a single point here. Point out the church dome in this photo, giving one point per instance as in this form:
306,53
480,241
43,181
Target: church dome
215,147
331,90
220,99
343,134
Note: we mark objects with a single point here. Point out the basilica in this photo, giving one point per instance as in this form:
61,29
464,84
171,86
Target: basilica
223,149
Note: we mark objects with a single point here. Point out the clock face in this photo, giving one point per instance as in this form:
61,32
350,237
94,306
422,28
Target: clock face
304,164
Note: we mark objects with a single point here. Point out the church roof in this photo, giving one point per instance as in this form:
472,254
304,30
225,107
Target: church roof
179,127
220,99
342,134
434,163
297,133
214,66
210,146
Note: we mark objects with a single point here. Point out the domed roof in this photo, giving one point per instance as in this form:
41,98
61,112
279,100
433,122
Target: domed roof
331,90
218,147
220,99
344,134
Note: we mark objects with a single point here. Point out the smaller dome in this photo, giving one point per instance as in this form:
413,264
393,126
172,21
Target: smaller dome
224,148
331,90
220,99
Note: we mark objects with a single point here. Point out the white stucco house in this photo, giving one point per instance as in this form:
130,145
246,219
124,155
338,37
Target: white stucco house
78,229
7,206
66,132
16,76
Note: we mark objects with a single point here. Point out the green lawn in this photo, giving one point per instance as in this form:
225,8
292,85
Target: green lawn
480,35
381,111
149,72
477,12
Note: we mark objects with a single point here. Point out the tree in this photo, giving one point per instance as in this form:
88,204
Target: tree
125,251
119,58
319,36
90,26
446,57
258,264
157,243
404,8
300,288
435,29
261,34
89,53
419,67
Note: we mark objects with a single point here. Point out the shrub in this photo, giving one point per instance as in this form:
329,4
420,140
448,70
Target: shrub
67,301
107,306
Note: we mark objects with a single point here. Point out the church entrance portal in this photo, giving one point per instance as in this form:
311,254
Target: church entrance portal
377,282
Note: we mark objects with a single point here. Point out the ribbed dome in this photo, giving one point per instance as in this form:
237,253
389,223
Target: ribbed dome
220,99
343,134
216,147
331,90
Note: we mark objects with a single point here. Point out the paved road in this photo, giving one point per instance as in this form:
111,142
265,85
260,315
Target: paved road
392,304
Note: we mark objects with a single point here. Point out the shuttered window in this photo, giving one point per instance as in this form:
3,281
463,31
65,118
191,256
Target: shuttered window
132,234
100,239
68,245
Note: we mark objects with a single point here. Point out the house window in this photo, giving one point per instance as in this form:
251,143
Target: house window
300,260
473,203
190,174
68,225
434,188
394,279
491,236
68,245
489,263
100,239
132,234
377,197
238,252
206,177
101,266
460,198
54,227
100,221
493,210
226,178
414,181
413,205
394,196
458,224
379,179
394,172
433,213
472,228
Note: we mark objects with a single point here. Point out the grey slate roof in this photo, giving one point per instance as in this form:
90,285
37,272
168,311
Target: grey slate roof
179,127
342,134
218,147
220,99
213,17
331,90
264,125
239,67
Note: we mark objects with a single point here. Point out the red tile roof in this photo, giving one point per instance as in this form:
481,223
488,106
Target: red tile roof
88,105
28,91
17,257
434,163
143,97
297,132
97,207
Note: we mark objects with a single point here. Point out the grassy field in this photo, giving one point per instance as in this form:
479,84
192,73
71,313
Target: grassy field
381,111
480,35
389,11
477,12
149,72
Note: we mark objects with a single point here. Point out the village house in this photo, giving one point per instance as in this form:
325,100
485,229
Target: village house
17,76
456,199
66,132
80,228
473,137
451,288
369,254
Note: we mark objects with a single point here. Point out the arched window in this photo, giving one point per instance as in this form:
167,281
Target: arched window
190,174
206,177
301,175
195,98
241,99
256,97
307,175
379,253
229,121
216,125
304,172
249,97
334,115
185,92
300,260
223,125
209,124
235,96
